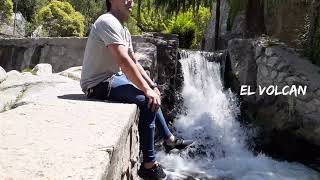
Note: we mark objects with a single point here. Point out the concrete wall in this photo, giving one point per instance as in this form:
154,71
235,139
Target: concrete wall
61,53
158,54
49,130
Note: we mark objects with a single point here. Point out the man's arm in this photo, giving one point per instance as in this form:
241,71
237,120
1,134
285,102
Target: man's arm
130,69
143,72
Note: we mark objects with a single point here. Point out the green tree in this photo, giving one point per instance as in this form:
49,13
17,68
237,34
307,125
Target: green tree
90,9
29,7
185,27
6,11
61,19
175,6
202,19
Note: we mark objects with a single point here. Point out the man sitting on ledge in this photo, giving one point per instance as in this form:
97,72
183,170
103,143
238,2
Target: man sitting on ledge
110,71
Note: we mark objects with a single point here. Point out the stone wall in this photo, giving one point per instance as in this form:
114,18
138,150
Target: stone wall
168,70
156,52
61,53
286,21
261,63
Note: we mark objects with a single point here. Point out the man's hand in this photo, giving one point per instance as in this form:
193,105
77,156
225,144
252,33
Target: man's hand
154,100
156,90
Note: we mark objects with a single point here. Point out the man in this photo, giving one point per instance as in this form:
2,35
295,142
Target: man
110,71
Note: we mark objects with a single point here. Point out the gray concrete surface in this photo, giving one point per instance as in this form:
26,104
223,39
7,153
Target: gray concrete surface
51,131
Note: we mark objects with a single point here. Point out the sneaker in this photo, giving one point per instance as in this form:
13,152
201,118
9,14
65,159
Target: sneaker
154,173
179,143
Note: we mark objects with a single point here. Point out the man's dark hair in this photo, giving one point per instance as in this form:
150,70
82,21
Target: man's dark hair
108,4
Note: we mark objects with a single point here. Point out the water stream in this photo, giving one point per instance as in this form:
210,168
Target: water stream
220,151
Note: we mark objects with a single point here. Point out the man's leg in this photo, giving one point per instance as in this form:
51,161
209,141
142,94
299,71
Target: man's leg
124,91
162,126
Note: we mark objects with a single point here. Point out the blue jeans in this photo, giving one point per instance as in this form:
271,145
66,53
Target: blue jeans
122,90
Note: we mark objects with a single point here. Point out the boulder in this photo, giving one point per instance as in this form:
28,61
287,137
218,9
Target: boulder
210,32
73,73
3,74
42,69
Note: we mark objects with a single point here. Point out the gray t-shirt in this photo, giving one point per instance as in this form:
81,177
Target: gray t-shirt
98,63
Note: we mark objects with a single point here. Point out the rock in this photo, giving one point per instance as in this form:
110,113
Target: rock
146,55
42,69
258,51
243,64
210,31
9,97
281,77
240,24
279,21
3,74
72,73
280,67
270,51
273,74
263,70
13,73
272,61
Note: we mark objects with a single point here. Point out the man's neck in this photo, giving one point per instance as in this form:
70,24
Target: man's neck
117,14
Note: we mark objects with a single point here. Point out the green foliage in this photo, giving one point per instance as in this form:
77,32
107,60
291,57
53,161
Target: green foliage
152,20
190,26
176,6
29,7
132,26
60,19
90,9
202,19
185,27
6,11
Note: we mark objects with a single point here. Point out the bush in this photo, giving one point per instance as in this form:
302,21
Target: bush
132,26
91,10
191,26
185,27
152,21
60,19
202,19
6,11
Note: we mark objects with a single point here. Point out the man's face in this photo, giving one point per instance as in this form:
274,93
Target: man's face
124,7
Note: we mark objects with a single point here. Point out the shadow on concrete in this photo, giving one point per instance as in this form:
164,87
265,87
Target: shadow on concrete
79,97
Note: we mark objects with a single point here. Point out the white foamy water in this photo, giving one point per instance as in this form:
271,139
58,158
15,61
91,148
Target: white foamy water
219,151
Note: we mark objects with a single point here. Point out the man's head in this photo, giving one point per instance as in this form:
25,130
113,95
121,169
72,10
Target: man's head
120,8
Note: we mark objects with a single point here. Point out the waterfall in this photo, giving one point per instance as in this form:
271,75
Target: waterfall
220,150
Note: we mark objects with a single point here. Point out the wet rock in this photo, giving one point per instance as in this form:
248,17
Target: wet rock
243,64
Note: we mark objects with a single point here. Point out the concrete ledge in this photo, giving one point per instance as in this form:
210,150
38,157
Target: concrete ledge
52,132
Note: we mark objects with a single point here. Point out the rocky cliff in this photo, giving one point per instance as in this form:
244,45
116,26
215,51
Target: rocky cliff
257,63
